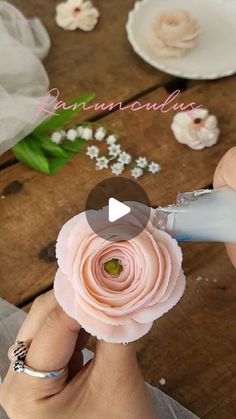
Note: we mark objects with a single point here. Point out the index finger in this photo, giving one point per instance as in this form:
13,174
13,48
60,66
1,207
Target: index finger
225,175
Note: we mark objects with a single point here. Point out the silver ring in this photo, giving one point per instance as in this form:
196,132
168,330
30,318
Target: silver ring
17,353
20,367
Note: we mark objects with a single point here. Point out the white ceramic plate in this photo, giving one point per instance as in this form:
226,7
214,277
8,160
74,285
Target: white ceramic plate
215,53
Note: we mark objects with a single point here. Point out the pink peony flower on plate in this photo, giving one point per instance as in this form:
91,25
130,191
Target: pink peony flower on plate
174,33
116,289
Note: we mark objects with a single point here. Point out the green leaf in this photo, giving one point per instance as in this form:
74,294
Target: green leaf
30,152
64,116
57,164
74,146
50,148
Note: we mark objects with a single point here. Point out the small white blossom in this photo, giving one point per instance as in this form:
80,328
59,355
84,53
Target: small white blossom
142,162
124,158
80,131
114,150
92,152
57,137
73,14
117,168
154,167
137,172
71,134
100,134
102,163
111,139
87,133
162,381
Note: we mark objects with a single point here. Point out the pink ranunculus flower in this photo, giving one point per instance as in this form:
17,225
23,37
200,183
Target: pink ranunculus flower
116,289
174,33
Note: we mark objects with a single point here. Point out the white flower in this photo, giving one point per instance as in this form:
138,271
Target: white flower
87,133
197,129
117,168
92,152
71,134
114,150
57,137
162,381
124,158
100,134
137,172
80,131
154,167
142,162
73,14
111,139
174,33
102,163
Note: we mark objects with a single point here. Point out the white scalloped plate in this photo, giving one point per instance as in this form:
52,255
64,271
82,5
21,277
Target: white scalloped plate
215,53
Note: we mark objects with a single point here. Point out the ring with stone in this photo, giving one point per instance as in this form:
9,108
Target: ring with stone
17,354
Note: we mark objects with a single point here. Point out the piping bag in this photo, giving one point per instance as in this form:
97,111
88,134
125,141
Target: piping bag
200,216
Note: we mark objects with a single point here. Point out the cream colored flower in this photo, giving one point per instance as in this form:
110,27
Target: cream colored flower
174,33
73,14
197,129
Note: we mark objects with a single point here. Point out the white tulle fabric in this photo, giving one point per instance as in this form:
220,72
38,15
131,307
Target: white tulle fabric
23,79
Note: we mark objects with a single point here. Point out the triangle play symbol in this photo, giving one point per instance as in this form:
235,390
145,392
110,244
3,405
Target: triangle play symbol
117,209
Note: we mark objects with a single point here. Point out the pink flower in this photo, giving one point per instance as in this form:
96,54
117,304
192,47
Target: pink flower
174,33
115,290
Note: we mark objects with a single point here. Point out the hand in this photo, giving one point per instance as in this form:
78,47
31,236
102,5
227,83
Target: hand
110,386
225,174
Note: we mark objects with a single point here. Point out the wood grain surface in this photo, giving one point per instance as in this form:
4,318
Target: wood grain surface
193,346
101,61
41,204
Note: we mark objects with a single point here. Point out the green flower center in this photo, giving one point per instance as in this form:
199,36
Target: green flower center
113,267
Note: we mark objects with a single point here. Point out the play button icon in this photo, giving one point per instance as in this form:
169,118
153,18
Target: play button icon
116,210
119,199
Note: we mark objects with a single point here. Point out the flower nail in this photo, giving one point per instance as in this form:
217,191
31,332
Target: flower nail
197,129
73,14
174,33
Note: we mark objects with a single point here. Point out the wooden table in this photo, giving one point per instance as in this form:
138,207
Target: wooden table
193,346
